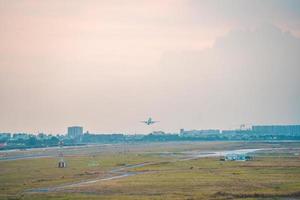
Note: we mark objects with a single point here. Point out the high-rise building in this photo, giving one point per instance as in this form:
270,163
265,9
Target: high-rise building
75,131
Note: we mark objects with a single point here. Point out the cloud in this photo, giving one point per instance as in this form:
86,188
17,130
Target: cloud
244,13
247,76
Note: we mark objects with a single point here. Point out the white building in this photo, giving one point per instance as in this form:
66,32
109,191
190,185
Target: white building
75,131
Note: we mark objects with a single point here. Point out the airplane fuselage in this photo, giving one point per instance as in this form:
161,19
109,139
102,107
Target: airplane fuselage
149,121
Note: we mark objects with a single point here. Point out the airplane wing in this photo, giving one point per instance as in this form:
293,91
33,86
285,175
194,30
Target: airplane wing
144,122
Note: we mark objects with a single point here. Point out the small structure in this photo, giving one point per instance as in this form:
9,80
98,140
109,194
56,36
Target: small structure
236,157
61,163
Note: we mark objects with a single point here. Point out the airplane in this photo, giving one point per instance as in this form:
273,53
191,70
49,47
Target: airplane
149,121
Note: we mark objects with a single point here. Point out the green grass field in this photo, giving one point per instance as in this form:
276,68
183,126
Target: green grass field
271,175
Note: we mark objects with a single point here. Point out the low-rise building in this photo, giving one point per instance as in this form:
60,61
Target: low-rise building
236,157
277,129
199,133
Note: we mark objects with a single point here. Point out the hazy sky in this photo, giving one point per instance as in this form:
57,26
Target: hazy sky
106,65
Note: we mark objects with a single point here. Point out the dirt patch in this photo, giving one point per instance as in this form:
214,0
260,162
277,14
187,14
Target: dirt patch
255,195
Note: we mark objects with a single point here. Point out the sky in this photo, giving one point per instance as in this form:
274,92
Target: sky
107,65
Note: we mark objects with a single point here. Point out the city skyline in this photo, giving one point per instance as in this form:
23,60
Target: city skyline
80,130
